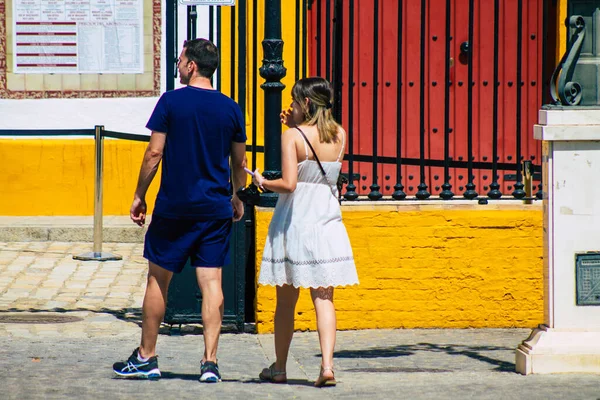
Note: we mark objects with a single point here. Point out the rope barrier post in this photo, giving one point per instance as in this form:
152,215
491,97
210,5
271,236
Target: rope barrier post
97,254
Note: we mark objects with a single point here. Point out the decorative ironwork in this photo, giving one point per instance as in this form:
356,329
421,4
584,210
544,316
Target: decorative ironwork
351,193
446,192
375,194
272,71
399,193
519,193
540,193
495,192
465,47
569,93
422,193
338,60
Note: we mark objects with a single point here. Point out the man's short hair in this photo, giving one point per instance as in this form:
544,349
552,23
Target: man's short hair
204,54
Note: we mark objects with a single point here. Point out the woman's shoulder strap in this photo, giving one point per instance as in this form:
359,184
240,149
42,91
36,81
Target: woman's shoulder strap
304,139
343,135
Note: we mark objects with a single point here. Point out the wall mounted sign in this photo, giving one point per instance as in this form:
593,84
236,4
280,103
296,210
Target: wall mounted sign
78,36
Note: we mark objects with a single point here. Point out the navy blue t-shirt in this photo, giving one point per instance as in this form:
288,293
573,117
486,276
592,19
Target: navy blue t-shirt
200,125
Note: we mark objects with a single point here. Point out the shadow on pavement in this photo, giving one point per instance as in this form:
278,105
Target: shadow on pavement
474,352
126,314
176,375
292,382
133,315
196,377
376,352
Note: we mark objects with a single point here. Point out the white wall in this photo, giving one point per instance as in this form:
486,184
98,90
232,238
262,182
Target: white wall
122,115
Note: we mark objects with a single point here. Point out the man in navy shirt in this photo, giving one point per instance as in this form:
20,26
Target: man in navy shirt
198,133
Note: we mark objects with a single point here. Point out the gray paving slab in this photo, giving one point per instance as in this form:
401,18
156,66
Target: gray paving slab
40,282
74,359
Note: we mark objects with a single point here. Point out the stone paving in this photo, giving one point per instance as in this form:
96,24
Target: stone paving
64,322
44,276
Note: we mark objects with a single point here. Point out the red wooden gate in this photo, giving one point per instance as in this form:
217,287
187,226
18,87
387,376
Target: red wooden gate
371,55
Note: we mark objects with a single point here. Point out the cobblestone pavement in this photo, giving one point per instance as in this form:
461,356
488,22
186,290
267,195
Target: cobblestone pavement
64,322
44,276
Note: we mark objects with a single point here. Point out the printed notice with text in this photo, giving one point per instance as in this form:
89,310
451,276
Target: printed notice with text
78,36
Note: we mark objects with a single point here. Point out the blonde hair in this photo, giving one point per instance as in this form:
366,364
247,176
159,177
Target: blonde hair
319,93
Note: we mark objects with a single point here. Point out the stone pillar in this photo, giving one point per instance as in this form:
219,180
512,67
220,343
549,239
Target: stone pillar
569,338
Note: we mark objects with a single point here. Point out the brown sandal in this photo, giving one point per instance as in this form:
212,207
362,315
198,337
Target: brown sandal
271,375
323,381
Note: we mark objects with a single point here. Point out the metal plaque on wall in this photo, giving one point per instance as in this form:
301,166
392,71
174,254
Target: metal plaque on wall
587,277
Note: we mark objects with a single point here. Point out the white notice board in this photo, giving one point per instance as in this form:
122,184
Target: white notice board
78,36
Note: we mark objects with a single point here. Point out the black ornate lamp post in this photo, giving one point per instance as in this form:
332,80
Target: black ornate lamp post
272,71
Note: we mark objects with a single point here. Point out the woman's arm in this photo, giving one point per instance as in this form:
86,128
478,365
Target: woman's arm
289,167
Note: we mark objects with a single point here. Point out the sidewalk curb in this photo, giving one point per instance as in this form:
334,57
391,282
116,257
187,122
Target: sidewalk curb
131,234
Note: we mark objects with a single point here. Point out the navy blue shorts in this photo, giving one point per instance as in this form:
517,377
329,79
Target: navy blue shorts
170,242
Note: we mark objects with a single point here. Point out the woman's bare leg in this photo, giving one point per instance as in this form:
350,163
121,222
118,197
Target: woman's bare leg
287,296
326,325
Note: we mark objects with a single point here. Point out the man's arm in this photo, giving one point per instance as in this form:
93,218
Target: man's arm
152,157
238,176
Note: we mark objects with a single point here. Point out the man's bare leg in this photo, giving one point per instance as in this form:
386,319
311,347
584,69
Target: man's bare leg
153,308
209,281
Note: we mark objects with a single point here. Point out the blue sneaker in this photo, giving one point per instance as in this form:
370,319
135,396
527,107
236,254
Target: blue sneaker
209,372
134,368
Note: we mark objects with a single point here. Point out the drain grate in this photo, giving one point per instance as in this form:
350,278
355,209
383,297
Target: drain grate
397,369
20,318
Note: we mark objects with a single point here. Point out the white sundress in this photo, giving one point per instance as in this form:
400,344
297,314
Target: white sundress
307,244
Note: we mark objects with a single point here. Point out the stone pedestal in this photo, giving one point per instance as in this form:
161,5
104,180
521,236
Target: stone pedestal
569,339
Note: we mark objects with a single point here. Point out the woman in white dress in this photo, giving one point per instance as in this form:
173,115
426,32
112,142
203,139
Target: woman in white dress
307,244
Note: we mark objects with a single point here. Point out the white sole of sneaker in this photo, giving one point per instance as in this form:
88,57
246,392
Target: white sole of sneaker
152,374
209,377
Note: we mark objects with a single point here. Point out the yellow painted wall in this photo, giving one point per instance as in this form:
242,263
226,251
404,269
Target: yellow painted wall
431,266
56,176
562,29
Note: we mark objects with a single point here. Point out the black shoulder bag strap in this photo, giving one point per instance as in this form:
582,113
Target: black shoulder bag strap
318,162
